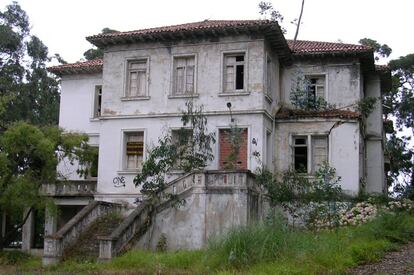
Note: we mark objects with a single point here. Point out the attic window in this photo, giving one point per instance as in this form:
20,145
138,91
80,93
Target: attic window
234,72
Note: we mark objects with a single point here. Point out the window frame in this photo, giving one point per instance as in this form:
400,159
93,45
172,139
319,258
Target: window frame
172,131
310,155
89,175
315,75
234,91
96,94
268,77
128,61
123,156
172,93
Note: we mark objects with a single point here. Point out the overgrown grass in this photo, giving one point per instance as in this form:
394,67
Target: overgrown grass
270,249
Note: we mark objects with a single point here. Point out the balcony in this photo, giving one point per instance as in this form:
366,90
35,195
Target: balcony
74,188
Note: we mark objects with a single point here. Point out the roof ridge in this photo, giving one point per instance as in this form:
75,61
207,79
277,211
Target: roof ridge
165,27
329,42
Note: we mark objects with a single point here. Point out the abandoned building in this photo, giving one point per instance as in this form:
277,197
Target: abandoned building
242,71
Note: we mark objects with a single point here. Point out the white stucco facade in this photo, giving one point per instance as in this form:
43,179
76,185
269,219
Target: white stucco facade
267,86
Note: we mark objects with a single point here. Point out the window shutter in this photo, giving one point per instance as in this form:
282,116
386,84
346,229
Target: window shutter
135,148
141,83
189,79
319,151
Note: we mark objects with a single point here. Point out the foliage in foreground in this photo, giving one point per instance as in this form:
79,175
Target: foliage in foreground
271,248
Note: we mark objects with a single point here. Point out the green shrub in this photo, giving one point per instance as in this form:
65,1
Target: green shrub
372,251
13,257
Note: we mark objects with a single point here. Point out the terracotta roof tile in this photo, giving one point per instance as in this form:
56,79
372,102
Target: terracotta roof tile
202,25
335,113
90,66
303,47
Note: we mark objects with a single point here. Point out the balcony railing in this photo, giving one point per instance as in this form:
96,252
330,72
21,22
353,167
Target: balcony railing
74,188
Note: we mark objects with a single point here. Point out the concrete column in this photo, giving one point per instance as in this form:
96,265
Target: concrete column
50,222
28,230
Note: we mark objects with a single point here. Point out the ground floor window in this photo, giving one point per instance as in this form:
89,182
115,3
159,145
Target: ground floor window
182,139
134,150
309,152
233,148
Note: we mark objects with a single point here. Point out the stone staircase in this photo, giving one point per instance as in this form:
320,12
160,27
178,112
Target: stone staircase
215,202
86,247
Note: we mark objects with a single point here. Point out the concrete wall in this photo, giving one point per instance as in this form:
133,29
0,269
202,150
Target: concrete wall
342,77
209,76
375,176
208,212
112,153
76,114
343,147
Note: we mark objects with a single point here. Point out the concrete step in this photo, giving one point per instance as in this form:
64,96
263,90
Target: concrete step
86,248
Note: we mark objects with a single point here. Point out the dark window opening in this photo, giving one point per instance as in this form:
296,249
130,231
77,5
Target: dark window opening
239,58
98,101
94,164
300,151
239,77
312,89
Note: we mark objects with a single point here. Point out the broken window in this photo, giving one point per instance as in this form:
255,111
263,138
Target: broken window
319,152
137,78
134,150
184,75
300,153
93,165
97,102
181,138
234,71
316,86
309,152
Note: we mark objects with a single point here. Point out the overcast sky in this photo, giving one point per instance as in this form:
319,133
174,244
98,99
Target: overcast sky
63,25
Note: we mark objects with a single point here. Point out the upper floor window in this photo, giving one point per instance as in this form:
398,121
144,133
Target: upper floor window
315,86
136,78
97,107
184,75
134,150
269,80
234,72
309,152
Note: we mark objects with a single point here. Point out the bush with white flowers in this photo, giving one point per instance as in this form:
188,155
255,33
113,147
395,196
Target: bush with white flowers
362,212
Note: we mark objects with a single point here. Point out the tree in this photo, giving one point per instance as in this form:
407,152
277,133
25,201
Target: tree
27,91
267,10
97,53
380,50
403,92
191,151
28,159
398,105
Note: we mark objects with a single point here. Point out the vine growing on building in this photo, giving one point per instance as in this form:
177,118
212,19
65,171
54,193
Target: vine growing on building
302,98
